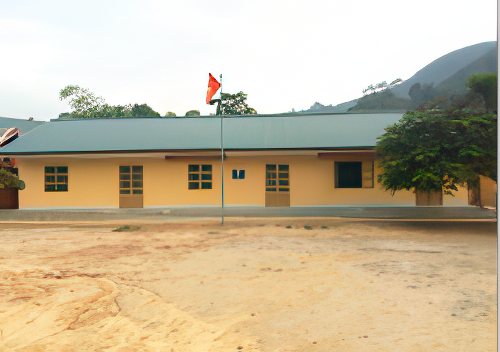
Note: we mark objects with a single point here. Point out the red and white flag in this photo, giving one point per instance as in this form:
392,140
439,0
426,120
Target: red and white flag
213,87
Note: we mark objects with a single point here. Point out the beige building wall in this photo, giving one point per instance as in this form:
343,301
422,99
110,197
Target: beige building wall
91,183
166,183
94,182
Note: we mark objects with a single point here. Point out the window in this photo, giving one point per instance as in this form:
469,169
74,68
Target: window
354,174
277,178
56,179
271,178
131,179
348,175
199,176
238,174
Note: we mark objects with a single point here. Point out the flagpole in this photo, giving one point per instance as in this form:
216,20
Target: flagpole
222,151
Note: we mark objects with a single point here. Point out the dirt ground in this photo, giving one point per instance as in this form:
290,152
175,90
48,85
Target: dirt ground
250,285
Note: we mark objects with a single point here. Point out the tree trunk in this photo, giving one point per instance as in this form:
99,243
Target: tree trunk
474,192
428,198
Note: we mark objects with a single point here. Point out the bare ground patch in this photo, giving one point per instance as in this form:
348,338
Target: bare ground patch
250,285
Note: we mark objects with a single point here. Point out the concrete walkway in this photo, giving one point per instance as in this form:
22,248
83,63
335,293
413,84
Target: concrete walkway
382,213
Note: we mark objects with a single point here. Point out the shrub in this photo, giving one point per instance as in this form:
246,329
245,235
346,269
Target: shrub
9,180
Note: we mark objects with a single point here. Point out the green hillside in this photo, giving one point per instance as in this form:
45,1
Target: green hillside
421,85
446,66
382,101
456,83
446,75
318,107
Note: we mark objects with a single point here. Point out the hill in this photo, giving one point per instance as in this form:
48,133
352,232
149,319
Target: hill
445,75
448,65
318,107
455,84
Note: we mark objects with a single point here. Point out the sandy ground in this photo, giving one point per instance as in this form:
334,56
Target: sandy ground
250,285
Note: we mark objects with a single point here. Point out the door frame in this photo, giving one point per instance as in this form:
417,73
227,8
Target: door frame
277,185
131,185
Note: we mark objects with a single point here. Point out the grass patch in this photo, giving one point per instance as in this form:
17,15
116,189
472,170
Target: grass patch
127,228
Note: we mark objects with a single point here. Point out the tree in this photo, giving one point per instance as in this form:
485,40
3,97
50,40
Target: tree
379,87
454,102
86,105
428,92
65,116
419,94
170,114
370,88
83,102
235,104
114,111
8,180
436,150
484,84
415,92
395,82
143,110
193,113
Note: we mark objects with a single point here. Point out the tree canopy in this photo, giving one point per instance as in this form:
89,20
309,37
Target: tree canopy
82,101
193,113
86,105
8,180
143,110
484,84
420,94
379,87
438,149
235,104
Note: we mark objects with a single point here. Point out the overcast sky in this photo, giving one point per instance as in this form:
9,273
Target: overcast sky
283,53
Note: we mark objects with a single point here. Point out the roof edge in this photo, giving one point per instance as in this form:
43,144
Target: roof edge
283,114
98,152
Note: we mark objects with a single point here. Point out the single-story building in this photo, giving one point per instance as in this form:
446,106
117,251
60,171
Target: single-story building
269,160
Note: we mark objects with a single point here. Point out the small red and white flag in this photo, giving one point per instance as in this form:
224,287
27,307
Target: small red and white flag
213,87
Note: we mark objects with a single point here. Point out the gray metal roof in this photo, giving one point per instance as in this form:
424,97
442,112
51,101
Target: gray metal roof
295,131
24,126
